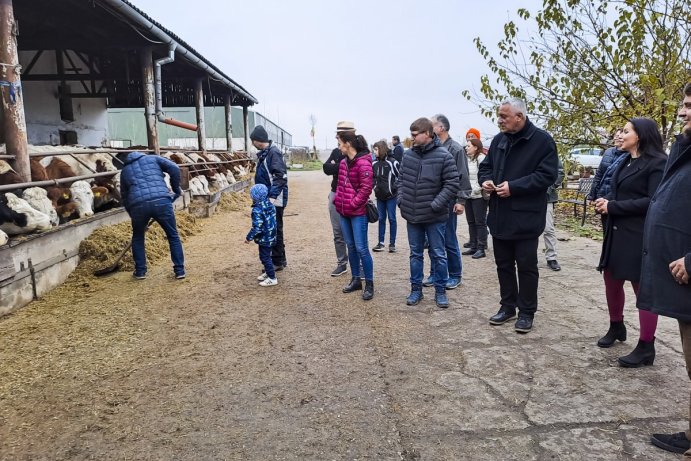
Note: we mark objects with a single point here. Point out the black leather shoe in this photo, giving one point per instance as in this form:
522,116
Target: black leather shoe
524,324
479,254
354,285
554,265
469,251
501,317
676,443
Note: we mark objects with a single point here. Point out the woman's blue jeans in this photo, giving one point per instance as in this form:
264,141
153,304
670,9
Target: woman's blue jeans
354,230
160,210
387,207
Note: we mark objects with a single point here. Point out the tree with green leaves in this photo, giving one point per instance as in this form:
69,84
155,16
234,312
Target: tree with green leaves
586,67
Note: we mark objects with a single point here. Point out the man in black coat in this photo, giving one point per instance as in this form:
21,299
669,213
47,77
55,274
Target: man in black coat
664,284
397,148
330,168
520,166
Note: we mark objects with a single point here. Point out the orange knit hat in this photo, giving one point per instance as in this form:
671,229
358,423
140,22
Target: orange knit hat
475,131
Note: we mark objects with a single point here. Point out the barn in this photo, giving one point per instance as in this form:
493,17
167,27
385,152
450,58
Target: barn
67,64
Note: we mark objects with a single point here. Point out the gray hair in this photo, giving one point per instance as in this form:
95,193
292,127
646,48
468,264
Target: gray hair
516,103
441,118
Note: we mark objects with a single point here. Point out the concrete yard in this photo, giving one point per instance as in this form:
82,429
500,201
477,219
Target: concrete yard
215,368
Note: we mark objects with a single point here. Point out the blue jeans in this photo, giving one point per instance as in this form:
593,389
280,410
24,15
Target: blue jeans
354,230
160,210
265,258
416,239
453,251
387,207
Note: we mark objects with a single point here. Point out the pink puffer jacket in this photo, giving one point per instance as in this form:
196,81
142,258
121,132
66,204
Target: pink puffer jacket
354,185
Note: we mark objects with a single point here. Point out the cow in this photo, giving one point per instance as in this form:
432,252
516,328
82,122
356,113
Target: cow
84,164
8,175
23,218
196,186
83,197
104,199
67,212
38,171
58,169
3,238
59,195
37,197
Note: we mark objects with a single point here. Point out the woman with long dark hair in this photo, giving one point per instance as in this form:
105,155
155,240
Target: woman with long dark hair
352,192
635,179
476,206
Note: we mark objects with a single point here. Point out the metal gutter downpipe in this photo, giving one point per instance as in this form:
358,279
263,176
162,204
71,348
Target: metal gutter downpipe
127,11
159,91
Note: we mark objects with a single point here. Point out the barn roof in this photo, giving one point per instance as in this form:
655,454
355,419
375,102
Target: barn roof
110,34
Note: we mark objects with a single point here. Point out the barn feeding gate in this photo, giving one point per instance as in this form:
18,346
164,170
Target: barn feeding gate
64,64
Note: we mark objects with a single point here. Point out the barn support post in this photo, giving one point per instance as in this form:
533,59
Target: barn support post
149,90
229,124
246,126
199,107
14,121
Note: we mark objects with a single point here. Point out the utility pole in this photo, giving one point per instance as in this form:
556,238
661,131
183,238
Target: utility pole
14,124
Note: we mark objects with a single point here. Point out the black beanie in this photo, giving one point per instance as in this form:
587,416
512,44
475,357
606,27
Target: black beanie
259,134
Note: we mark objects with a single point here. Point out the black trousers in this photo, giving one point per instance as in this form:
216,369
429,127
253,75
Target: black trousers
517,292
278,252
476,215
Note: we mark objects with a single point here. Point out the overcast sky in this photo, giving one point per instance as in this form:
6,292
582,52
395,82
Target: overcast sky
380,64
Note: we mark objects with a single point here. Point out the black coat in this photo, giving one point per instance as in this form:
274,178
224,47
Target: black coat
632,187
428,184
528,161
331,169
667,237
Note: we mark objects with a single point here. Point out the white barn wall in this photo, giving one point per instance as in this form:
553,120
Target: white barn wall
42,108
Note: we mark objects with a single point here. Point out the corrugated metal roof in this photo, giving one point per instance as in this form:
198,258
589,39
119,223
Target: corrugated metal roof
184,44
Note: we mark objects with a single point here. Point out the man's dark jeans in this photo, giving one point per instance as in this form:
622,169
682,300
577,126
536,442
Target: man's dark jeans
162,212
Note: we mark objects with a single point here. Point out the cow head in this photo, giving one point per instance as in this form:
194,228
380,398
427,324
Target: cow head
83,197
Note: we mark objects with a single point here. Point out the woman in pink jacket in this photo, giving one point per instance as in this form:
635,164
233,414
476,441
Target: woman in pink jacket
352,192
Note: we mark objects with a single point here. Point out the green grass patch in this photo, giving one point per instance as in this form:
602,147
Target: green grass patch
311,165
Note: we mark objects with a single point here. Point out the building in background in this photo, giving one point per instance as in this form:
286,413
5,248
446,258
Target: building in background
126,128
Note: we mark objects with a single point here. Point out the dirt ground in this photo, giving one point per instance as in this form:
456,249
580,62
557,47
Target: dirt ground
214,367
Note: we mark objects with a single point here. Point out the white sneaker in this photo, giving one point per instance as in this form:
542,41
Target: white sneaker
268,282
262,277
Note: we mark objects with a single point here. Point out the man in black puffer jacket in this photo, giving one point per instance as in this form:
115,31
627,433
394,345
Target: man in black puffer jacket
520,166
428,183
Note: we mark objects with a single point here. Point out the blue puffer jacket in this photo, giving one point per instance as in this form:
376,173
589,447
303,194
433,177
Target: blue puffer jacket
599,183
263,224
141,179
271,171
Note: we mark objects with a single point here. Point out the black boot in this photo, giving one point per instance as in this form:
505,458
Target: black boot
643,354
368,293
617,330
354,285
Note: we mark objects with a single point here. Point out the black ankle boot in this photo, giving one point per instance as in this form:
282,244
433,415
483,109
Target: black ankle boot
617,330
354,285
368,293
643,354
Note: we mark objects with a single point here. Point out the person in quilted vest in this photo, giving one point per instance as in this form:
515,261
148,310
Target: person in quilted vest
146,197
352,192
263,232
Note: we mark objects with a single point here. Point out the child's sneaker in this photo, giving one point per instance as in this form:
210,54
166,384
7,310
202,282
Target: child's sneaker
268,282
262,277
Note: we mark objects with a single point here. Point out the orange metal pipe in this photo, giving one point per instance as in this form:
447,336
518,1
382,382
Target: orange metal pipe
179,124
